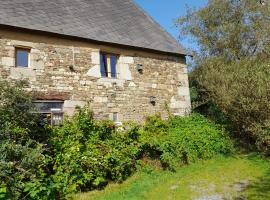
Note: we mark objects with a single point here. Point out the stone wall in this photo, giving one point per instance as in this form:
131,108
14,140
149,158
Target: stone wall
69,70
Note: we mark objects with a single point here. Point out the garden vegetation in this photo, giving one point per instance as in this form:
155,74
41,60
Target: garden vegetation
38,161
230,76
230,83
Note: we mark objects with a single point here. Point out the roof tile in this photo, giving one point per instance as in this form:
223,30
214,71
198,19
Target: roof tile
114,21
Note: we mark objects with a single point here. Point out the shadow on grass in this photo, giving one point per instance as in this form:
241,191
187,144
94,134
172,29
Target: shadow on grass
259,189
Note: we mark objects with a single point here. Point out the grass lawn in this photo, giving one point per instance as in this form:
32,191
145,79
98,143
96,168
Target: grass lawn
220,178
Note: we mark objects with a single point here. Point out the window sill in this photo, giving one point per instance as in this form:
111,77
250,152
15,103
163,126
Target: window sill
112,80
22,73
109,82
22,67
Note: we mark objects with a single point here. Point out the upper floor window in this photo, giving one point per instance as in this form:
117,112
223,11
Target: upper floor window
22,57
108,65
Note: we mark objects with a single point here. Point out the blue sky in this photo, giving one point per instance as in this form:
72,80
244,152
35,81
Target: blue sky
166,11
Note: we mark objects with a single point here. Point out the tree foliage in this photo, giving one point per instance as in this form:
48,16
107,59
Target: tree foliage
232,65
233,28
22,158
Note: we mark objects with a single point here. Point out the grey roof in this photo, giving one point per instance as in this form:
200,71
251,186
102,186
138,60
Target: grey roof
114,21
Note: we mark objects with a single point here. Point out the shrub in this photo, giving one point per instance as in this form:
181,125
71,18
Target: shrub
200,138
81,154
183,139
22,155
243,95
88,154
231,65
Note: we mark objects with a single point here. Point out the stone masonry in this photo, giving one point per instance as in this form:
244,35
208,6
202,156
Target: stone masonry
50,76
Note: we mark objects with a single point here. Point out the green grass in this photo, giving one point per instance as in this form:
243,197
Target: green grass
220,176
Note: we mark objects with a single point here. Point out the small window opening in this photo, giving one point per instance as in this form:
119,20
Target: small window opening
52,111
115,117
108,65
22,57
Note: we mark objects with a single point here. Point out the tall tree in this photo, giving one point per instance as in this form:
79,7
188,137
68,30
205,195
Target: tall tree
232,64
231,28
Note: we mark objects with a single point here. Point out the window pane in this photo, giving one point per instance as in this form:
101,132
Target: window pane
22,58
103,65
52,112
115,117
48,106
57,118
113,66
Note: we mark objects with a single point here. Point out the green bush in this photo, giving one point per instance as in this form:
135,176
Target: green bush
200,138
82,154
243,95
230,69
182,140
23,159
88,154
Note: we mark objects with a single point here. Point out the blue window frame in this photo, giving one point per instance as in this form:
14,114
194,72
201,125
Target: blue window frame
22,57
103,65
106,60
113,66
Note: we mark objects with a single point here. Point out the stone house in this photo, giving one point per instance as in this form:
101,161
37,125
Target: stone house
106,53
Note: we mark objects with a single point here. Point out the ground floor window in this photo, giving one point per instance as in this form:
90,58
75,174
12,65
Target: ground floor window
51,110
115,117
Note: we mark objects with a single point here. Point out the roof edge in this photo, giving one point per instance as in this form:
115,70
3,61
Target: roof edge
54,34
159,25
